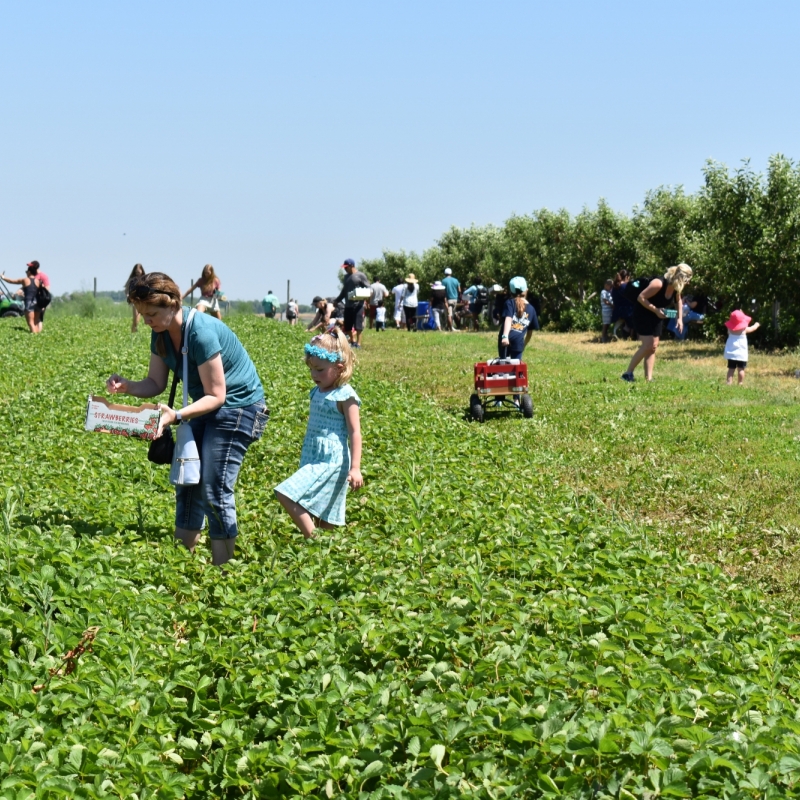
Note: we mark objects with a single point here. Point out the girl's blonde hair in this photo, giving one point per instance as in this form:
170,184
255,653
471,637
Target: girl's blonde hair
334,341
520,302
678,277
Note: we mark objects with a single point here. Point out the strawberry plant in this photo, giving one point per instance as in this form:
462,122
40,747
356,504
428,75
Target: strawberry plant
475,631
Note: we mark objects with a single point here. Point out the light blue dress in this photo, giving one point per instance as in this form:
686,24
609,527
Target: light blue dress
320,485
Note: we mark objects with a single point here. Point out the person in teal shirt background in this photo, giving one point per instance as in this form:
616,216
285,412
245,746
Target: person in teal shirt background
270,304
453,293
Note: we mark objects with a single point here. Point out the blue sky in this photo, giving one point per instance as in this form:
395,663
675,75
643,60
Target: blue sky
276,139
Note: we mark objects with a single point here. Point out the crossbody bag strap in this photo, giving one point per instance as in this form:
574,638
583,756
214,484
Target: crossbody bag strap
174,386
185,352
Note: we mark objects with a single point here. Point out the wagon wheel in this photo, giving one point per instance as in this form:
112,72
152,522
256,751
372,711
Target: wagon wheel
526,406
475,408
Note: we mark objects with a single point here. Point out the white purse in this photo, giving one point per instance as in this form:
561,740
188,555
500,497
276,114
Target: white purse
185,470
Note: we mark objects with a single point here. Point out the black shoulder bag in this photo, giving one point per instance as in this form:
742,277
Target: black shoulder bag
161,449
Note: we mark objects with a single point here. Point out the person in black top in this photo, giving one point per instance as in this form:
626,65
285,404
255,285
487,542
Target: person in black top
353,309
439,303
649,316
30,289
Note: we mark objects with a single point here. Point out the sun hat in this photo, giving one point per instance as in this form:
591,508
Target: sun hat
448,271
518,285
437,285
411,278
738,321
348,262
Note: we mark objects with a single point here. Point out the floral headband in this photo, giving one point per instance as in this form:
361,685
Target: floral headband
315,351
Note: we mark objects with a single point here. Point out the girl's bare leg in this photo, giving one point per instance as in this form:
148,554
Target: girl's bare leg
741,377
304,521
729,379
30,318
222,551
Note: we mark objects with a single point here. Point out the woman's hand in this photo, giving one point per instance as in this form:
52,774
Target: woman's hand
168,417
354,478
659,312
116,384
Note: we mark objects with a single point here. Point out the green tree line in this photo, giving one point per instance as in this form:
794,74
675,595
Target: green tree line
739,233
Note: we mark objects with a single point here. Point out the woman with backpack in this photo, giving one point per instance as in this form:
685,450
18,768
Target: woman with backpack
652,296
32,285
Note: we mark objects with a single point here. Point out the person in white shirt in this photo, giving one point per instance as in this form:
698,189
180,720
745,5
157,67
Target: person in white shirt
378,294
736,347
399,316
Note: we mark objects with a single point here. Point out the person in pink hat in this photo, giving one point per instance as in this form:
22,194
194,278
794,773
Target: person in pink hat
736,347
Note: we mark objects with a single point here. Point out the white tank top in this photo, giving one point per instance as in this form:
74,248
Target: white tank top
736,347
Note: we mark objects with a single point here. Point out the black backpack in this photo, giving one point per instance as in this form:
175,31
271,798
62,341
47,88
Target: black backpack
43,296
633,288
483,294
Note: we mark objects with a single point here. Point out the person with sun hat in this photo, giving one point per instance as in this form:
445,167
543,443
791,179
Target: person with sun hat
738,326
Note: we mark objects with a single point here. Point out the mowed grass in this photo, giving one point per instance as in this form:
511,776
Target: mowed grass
711,467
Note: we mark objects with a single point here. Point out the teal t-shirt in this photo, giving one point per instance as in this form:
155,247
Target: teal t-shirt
207,337
452,285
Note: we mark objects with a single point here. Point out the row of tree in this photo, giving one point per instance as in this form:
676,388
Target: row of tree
740,233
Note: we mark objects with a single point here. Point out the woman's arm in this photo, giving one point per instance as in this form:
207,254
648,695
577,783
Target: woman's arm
151,386
14,280
679,303
352,417
186,294
646,294
212,376
506,328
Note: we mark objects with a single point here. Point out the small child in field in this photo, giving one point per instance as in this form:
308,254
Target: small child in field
736,346
606,307
380,317
315,495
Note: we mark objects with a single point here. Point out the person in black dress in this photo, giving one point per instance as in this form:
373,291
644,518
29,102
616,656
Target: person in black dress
649,316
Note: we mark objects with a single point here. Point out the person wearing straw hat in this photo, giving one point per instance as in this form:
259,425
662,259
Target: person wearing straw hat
738,326
410,301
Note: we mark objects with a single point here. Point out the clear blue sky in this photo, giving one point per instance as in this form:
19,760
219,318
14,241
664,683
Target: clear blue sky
276,139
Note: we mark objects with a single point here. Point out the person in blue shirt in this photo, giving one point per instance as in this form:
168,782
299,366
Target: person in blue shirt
518,321
453,288
227,413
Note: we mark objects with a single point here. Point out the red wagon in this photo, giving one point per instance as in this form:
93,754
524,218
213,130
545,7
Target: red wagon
502,382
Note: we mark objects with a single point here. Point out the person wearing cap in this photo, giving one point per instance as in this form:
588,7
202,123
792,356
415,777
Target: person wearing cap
378,294
453,288
518,321
738,326
649,316
30,288
353,309
322,319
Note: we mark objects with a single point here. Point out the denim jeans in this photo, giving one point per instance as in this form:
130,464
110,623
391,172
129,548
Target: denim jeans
222,439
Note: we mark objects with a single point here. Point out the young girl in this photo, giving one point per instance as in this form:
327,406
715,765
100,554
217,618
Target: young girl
736,346
209,284
380,317
606,308
315,495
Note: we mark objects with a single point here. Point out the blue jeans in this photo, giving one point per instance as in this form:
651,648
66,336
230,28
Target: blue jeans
222,439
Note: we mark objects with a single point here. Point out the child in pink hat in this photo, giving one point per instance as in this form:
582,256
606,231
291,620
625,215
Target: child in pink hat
736,346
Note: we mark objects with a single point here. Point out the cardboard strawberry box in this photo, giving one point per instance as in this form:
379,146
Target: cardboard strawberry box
137,422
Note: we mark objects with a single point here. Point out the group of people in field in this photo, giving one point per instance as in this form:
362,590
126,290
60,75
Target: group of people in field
228,410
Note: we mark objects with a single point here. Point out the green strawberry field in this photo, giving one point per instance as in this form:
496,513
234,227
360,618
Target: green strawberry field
491,623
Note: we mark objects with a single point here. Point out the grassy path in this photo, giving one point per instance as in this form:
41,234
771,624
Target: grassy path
712,467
